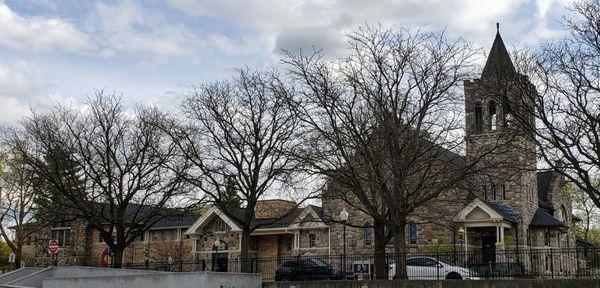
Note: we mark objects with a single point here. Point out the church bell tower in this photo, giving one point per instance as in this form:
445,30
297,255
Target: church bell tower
507,169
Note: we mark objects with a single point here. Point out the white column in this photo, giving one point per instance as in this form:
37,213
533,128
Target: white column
194,244
497,234
465,240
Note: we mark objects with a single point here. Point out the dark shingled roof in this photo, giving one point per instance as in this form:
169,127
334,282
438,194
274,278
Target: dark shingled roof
498,64
171,219
290,218
541,218
544,179
582,242
179,221
285,221
504,211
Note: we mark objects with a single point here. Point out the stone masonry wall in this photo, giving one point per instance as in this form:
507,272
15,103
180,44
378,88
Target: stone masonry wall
509,155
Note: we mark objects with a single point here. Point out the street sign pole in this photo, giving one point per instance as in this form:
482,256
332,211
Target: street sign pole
53,250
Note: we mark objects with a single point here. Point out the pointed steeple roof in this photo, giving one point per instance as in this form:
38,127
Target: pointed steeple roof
498,64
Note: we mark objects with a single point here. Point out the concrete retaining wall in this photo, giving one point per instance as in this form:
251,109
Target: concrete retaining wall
542,283
89,277
179,280
16,274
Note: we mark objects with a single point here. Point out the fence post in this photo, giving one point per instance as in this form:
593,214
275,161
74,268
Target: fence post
437,256
531,262
577,255
552,263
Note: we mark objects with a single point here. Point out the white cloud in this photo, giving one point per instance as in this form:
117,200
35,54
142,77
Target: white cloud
306,23
109,30
128,27
23,85
40,34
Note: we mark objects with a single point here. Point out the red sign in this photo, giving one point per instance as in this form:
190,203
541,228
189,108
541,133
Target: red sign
53,246
104,258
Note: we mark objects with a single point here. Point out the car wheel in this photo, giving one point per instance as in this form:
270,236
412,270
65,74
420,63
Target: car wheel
453,275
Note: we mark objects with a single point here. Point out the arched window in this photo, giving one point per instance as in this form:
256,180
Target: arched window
222,246
492,116
562,215
478,118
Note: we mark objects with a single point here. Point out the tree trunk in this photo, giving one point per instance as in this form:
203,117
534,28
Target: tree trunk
400,250
381,269
18,257
587,227
119,248
244,247
117,259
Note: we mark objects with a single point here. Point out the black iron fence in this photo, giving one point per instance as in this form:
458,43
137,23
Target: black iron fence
503,264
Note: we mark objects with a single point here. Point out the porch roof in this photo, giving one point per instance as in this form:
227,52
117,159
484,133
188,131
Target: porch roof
541,218
506,212
480,211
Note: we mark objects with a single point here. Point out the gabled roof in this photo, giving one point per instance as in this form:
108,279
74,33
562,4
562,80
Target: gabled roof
498,63
212,212
541,218
286,221
488,211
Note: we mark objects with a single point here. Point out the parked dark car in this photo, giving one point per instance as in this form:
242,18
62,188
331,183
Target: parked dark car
499,270
306,269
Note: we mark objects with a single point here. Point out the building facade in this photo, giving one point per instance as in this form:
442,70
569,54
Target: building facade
513,206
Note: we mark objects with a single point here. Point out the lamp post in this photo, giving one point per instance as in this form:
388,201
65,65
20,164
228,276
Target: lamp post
344,217
217,244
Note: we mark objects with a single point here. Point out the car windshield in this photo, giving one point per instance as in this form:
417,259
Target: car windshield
319,262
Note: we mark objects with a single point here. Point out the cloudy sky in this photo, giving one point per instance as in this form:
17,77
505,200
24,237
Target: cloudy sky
152,51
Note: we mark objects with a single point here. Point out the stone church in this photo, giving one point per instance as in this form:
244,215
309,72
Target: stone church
515,206
510,209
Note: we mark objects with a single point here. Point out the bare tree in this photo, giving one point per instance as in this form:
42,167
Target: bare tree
584,208
241,139
566,105
17,204
384,124
114,170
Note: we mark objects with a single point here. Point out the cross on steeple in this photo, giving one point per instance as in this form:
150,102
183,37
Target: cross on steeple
498,27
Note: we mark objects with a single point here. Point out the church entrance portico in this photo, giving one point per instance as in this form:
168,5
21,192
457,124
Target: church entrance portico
485,225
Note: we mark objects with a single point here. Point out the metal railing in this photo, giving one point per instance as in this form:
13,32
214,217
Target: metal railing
502,264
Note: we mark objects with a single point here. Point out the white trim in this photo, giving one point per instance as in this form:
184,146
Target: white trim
495,217
296,224
272,231
212,211
486,223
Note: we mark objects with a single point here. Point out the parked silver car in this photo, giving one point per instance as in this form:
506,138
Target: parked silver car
427,268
